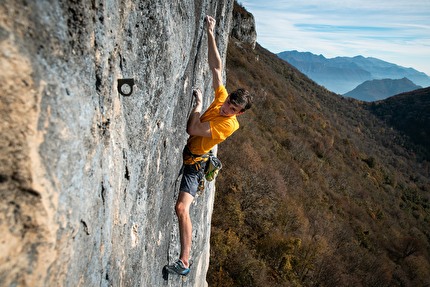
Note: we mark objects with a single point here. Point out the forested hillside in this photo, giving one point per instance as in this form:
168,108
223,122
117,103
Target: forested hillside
315,189
410,114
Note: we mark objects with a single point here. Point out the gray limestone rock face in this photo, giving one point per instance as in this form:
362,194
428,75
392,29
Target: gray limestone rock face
89,177
243,26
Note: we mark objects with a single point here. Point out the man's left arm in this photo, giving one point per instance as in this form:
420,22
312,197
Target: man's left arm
194,126
214,58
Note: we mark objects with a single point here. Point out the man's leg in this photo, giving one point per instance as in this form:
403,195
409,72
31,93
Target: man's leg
185,226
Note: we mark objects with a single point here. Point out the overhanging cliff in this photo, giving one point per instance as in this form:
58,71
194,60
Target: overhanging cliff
88,177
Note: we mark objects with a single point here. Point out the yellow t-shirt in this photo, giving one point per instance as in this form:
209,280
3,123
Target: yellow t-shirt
221,127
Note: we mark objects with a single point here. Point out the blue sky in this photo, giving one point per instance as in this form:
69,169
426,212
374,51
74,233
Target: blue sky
391,30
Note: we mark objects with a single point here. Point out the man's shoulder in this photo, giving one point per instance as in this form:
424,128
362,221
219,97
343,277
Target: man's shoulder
221,92
226,123
221,86
223,127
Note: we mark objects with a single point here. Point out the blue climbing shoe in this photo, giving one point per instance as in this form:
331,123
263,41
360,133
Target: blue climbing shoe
178,268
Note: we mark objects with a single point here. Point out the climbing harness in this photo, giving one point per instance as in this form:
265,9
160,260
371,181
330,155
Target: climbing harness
211,168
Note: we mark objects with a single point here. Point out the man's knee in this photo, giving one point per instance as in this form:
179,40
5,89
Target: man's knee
180,208
183,204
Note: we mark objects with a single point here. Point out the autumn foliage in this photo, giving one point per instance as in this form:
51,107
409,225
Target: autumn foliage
315,190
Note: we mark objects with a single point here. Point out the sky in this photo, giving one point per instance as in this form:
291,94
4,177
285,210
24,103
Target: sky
396,31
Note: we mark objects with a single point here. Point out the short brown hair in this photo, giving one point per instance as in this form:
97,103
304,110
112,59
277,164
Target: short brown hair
242,98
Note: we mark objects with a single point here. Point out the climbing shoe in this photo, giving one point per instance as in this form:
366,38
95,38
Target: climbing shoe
178,268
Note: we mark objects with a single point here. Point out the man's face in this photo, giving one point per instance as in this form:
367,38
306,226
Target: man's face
229,109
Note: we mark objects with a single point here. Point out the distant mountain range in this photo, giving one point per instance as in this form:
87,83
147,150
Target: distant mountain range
376,90
343,74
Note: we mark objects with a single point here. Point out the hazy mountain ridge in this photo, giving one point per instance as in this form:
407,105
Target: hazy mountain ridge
343,74
374,90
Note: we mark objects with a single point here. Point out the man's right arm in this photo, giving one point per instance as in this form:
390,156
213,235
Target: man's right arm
214,59
194,126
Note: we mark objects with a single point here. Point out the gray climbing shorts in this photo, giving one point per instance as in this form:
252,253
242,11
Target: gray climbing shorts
191,177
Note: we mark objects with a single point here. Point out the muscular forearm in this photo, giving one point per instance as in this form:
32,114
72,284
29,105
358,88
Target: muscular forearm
194,126
214,58
194,118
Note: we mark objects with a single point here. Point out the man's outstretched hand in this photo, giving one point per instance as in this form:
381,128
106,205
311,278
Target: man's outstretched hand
211,23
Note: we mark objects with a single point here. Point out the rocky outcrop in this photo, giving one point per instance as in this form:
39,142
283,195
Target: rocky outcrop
243,26
88,177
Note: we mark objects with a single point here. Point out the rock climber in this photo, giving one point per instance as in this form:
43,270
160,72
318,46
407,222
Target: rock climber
205,131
